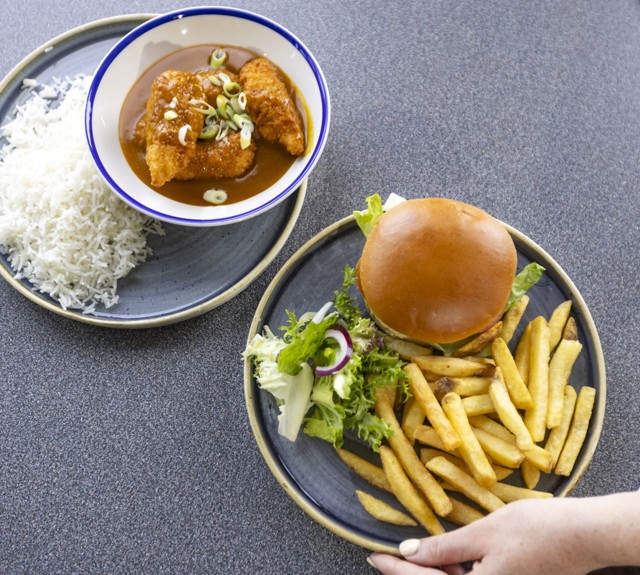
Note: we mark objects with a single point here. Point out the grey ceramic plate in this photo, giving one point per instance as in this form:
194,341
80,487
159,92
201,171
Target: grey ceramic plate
192,270
309,469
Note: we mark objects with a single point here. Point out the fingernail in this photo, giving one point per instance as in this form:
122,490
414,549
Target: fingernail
409,547
371,562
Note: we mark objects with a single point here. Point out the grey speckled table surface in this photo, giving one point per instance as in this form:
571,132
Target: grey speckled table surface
130,451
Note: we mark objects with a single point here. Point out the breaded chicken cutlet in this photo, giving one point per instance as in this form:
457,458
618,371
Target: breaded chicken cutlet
169,144
270,106
171,158
219,159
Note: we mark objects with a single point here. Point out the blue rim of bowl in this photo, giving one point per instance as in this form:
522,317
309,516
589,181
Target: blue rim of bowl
199,11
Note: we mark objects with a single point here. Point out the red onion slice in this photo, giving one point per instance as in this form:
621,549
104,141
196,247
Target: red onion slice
341,335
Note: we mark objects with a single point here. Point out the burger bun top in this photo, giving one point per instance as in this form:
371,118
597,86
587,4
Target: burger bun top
435,270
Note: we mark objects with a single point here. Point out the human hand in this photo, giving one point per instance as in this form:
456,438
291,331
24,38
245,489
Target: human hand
531,537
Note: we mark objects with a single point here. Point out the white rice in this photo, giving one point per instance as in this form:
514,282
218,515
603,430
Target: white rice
61,227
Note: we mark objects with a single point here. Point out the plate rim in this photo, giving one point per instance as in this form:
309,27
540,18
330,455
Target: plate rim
229,293
294,490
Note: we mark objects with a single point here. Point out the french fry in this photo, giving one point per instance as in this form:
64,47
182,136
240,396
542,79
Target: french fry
540,458
560,368
530,474
452,366
478,343
500,451
405,349
509,415
469,448
427,453
570,330
509,493
535,417
463,482
536,456
488,361
463,514
365,469
463,386
501,471
557,321
409,458
407,494
577,431
392,394
443,385
493,427
558,435
478,405
412,415
382,511
521,356
512,317
406,408
515,385
426,435
431,407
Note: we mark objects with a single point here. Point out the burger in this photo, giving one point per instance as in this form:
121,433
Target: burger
436,271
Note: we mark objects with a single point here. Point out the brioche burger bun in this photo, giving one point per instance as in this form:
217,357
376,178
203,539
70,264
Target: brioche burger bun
436,270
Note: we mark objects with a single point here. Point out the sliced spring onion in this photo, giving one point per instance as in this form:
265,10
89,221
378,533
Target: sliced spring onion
231,88
242,120
182,134
232,125
228,110
218,57
242,101
229,113
170,115
221,105
215,196
173,102
224,130
235,105
203,107
209,131
224,78
245,137
343,354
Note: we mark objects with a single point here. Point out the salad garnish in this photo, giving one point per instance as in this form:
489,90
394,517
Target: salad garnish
324,368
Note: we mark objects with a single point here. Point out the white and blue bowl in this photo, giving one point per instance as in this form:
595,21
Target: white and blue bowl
165,34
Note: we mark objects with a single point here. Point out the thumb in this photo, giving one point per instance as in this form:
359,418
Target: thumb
451,548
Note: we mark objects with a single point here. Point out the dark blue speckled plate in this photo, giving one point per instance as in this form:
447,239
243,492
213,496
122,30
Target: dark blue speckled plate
309,469
192,270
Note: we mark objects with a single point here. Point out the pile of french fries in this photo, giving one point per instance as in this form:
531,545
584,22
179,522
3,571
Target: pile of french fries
475,418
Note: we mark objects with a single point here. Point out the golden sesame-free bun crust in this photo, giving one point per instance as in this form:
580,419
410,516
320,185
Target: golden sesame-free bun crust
435,270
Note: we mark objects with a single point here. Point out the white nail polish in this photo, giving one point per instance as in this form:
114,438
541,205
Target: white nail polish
409,547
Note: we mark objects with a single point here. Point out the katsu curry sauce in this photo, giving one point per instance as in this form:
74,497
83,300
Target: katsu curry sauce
271,160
